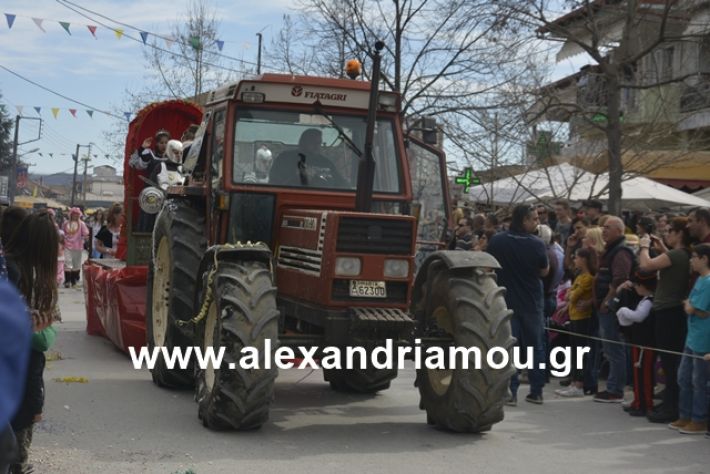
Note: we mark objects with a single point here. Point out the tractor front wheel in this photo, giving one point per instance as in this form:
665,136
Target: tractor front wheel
242,314
469,305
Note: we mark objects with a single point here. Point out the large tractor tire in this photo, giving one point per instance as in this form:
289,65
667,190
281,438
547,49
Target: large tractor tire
242,314
178,246
468,305
357,380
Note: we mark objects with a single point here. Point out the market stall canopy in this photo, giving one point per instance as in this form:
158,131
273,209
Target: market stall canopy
703,194
565,181
30,202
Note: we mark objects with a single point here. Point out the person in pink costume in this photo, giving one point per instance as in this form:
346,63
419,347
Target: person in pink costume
75,234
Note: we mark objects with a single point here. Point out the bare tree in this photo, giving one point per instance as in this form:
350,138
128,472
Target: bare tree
193,64
443,56
631,45
181,65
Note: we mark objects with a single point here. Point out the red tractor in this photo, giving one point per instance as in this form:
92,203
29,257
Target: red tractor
308,218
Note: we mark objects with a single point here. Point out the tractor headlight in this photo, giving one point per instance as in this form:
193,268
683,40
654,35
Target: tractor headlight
396,268
348,266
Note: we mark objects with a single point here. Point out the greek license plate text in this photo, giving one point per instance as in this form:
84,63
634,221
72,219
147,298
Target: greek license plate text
368,289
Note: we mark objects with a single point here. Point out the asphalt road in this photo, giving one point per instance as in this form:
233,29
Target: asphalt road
119,422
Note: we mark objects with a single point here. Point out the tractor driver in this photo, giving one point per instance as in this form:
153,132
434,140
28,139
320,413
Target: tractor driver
306,166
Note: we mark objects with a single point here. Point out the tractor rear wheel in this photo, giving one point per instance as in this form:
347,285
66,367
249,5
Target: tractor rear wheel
242,314
468,305
178,246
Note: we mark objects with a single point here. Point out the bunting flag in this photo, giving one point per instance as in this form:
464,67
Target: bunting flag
38,22
74,112
194,41
66,25
40,154
51,155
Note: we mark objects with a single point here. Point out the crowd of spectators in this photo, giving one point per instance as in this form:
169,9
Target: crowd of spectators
635,289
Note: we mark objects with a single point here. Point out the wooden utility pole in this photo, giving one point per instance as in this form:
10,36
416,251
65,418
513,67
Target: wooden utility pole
86,160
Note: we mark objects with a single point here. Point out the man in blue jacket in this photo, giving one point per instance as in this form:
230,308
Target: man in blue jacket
523,260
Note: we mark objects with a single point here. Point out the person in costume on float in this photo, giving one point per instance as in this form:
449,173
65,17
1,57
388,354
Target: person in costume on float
169,172
147,158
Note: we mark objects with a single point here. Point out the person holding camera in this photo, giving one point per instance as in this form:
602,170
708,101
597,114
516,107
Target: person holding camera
673,267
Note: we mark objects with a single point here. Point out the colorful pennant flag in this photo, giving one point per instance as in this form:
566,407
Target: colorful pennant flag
220,44
10,20
38,22
73,112
38,110
92,29
40,154
169,40
144,36
195,42
91,113
55,111
51,155
66,25
118,32
19,109
127,115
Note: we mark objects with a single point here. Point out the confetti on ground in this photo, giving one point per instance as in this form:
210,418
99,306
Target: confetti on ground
72,380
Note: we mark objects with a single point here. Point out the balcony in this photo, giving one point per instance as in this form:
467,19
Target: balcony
696,96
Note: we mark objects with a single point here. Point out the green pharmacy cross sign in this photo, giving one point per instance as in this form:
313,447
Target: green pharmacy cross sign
468,179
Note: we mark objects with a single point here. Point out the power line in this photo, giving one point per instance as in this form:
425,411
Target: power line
58,93
66,4
218,66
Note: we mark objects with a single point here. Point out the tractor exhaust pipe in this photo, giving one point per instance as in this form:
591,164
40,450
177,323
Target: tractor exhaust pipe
366,167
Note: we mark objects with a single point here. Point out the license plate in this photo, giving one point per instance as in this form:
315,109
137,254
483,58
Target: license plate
368,289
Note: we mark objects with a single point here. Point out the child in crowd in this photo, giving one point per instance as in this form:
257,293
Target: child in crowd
639,324
580,308
693,371
32,268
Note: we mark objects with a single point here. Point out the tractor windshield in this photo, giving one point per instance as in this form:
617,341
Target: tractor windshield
296,149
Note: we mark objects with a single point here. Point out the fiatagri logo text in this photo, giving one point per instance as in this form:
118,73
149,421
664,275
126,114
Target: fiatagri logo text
299,91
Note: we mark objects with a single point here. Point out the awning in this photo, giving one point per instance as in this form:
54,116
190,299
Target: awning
699,24
611,34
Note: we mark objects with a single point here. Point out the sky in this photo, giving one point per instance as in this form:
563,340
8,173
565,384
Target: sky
97,71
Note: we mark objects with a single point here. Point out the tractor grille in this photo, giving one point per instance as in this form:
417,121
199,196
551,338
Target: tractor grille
363,235
396,292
